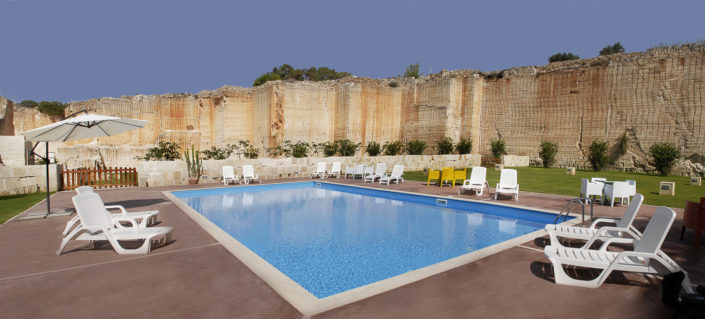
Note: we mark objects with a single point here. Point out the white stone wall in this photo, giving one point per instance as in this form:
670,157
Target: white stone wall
12,150
174,173
515,161
27,178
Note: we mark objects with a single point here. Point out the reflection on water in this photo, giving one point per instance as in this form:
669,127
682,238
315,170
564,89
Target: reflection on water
330,241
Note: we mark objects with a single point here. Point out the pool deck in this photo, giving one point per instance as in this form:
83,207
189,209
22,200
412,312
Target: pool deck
196,277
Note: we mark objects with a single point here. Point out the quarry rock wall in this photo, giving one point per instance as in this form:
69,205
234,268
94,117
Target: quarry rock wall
649,97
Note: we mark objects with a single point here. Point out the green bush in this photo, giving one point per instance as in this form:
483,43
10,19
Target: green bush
563,56
373,148
164,151
497,147
217,153
264,78
393,148
298,150
612,49
464,146
287,72
444,146
598,155
665,156
246,149
328,148
548,153
347,147
29,103
412,71
52,108
415,147
393,84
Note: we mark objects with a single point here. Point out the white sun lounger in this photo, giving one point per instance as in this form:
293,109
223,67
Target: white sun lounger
335,170
320,170
380,171
646,257
97,224
229,175
593,233
507,184
143,219
477,181
395,176
248,174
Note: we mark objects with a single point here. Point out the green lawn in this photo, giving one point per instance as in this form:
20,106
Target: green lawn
15,204
555,181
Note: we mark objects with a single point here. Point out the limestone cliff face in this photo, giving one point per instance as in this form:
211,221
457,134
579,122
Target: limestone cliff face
654,96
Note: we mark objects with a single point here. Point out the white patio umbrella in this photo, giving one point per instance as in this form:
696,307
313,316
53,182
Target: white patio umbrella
79,127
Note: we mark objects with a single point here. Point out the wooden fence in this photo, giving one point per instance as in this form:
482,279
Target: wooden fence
99,177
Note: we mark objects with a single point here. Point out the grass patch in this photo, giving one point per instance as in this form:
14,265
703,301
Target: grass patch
555,181
15,204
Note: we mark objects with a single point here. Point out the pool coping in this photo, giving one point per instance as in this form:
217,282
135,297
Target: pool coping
310,305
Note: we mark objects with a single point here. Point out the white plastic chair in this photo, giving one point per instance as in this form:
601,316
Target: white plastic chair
477,181
507,184
320,170
142,219
593,233
335,170
380,171
248,174
395,176
359,170
620,190
632,187
349,170
229,175
646,257
588,188
97,224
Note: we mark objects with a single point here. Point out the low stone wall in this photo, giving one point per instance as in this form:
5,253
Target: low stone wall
515,161
12,150
27,179
174,173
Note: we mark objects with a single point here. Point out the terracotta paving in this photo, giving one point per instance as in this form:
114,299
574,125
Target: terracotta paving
196,277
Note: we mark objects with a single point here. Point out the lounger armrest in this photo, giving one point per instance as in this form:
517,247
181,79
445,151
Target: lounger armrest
117,221
466,182
602,233
122,209
602,220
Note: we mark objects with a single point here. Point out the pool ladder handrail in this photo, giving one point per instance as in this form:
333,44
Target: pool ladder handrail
568,208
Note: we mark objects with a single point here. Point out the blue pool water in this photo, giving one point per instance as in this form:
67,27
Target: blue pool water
331,238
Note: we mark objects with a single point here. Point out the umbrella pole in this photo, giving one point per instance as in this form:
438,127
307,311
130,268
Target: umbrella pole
46,160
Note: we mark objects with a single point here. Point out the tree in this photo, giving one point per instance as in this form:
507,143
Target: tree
562,56
665,156
29,103
52,108
598,155
412,71
612,49
264,78
497,147
548,153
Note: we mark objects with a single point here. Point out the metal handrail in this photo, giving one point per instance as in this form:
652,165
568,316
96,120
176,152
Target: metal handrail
568,208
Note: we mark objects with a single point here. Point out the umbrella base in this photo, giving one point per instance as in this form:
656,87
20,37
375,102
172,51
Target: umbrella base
38,215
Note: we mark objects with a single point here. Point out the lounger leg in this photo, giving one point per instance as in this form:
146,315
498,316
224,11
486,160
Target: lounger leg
68,238
682,232
562,278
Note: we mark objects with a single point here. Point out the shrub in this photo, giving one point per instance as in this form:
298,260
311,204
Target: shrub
665,156
548,153
562,57
598,155
264,78
612,49
287,72
415,147
497,147
216,153
623,144
164,151
393,148
412,71
445,146
298,150
328,148
29,103
347,148
464,146
393,84
53,108
247,150
373,148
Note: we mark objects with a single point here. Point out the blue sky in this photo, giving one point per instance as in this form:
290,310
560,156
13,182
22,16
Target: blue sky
70,51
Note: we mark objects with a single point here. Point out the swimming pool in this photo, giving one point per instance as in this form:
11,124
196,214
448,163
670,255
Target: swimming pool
331,238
